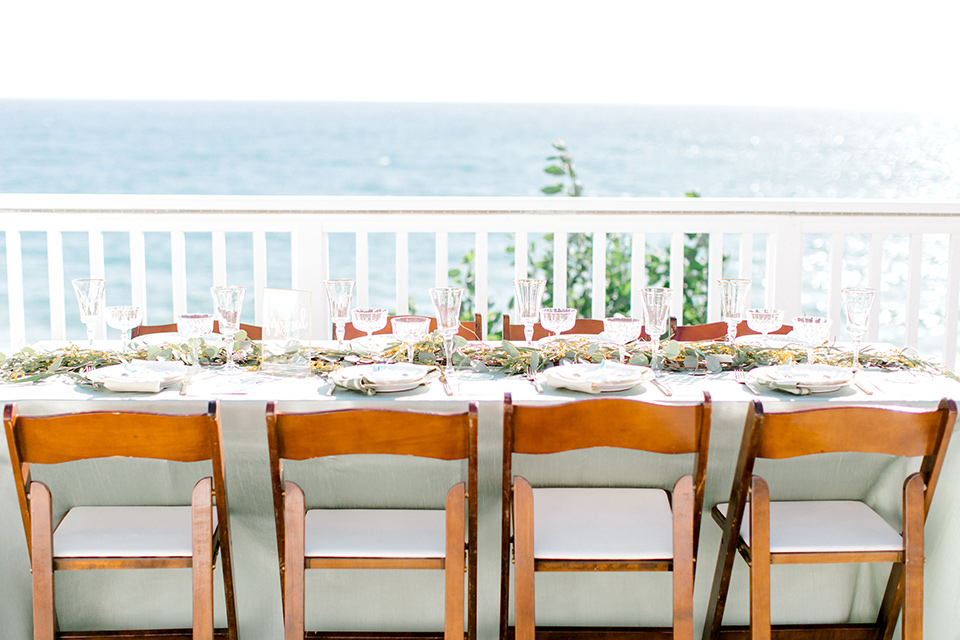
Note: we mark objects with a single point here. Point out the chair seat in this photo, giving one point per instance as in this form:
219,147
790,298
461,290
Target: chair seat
375,533
123,532
602,524
822,526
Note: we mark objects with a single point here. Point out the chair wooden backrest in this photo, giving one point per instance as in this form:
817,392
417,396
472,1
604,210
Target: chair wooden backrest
583,326
716,331
254,332
471,330
608,422
303,436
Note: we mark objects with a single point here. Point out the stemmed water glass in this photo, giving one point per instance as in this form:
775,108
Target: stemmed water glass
858,302
558,320
410,330
622,331
339,294
193,326
90,296
227,302
733,297
813,331
446,300
764,321
656,311
124,318
369,320
529,292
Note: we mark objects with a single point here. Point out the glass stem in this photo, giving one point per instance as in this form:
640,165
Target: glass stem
448,352
654,350
856,351
125,336
341,334
91,330
194,355
528,333
732,330
410,352
623,353
810,354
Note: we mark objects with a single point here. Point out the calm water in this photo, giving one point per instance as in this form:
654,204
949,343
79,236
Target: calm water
469,150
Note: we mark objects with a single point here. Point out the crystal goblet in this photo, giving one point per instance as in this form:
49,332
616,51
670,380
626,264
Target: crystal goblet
90,297
446,300
227,302
858,302
369,320
733,297
124,318
764,321
193,326
656,310
622,331
339,295
529,292
410,330
558,320
813,331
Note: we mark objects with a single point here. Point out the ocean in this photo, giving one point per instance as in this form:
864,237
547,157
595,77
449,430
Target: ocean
409,149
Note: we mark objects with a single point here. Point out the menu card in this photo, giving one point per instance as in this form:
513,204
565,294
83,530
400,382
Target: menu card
286,332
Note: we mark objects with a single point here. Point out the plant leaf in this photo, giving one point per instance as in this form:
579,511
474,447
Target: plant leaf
557,188
511,350
555,170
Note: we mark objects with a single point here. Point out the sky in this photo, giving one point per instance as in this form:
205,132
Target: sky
844,53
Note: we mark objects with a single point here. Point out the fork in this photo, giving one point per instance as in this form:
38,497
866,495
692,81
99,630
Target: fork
741,376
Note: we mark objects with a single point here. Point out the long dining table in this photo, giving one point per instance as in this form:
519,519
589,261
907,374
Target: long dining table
380,600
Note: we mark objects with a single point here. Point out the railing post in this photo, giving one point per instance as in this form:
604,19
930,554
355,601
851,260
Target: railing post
785,242
15,301
599,284
560,269
310,266
58,326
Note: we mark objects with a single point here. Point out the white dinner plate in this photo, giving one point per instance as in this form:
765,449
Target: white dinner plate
816,378
385,378
140,374
609,376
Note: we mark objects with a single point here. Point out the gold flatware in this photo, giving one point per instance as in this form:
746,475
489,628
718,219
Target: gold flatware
446,383
662,386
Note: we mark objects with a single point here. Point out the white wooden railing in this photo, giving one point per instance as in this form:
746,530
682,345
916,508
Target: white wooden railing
798,252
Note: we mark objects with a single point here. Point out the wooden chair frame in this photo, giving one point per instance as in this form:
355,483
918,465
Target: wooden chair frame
254,332
304,436
471,330
667,429
678,332
892,431
81,436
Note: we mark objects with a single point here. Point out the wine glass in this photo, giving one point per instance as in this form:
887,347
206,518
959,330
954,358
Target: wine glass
193,326
410,330
227,302
124,318
339,294
813,331
764,321
369,320
446,300
90,296
621,331
656,309
733,297
529,292
558,320
858,302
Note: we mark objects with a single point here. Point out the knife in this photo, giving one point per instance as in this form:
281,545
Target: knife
446,383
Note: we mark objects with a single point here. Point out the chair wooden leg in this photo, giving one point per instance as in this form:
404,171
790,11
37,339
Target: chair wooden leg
202,516
41,542
913,497
523,570
683,559
454,563
759,559
293,522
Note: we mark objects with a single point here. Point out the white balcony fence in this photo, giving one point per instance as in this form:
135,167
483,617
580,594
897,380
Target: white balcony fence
164,252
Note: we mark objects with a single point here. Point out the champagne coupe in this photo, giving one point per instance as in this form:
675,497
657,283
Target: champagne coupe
764,321
410,330
369,320
227,302
529,292
446,300
858,302
813,331
90,296
621,331
558,320
193,326
339,294
733,297
656,310
124,318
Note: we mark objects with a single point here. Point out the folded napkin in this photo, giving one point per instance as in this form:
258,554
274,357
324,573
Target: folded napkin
137,381
368,384
586,384
782,385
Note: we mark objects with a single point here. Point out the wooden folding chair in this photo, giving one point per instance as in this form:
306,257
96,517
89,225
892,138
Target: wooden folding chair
836,531
602,529
253,331
469,330
584,326
715,331
376,538
124,537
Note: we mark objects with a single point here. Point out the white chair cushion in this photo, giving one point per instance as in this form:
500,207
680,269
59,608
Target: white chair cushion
602,524
375,533
124,532
818,526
